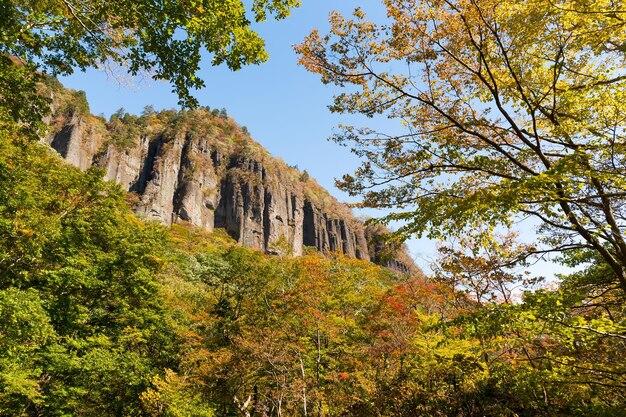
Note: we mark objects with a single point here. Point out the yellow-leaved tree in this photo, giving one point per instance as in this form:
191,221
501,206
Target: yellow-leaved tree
509,110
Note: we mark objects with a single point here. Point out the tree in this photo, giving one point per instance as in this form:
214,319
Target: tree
510,110
20,101
484,271
25,330
82,320
162,38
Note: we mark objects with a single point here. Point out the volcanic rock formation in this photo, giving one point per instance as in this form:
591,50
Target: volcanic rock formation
199,168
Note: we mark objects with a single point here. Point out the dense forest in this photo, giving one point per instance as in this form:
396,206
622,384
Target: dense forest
513,113
105,315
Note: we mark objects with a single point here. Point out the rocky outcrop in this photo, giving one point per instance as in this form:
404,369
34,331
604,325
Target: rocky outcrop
332,234
388,252
181,176
77,142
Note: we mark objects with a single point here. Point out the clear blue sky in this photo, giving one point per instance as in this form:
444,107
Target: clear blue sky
283,106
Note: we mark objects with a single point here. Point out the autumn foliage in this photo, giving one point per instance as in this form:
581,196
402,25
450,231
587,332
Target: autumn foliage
103,315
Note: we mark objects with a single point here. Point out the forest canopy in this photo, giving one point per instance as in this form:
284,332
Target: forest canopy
102,314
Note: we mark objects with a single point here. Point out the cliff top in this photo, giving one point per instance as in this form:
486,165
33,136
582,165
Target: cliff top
122,129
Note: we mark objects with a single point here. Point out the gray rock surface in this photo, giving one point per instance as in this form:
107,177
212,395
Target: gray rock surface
188,178
76,142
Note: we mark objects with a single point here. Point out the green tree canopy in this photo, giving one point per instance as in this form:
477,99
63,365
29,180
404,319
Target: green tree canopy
510,110
162,38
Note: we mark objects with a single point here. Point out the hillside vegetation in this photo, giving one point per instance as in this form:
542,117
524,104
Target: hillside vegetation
104,315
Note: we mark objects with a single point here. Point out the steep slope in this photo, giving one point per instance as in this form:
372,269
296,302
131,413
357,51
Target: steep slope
200,167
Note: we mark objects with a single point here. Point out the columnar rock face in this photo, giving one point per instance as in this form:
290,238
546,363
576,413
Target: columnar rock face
181,176
180,179
76,142
332,234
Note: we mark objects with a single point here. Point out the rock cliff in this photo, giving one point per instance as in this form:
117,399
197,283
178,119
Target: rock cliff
200,167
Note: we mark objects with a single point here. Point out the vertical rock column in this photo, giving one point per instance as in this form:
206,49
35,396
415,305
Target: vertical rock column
282,220
242,203
76,142
197,193
157,199
126,166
